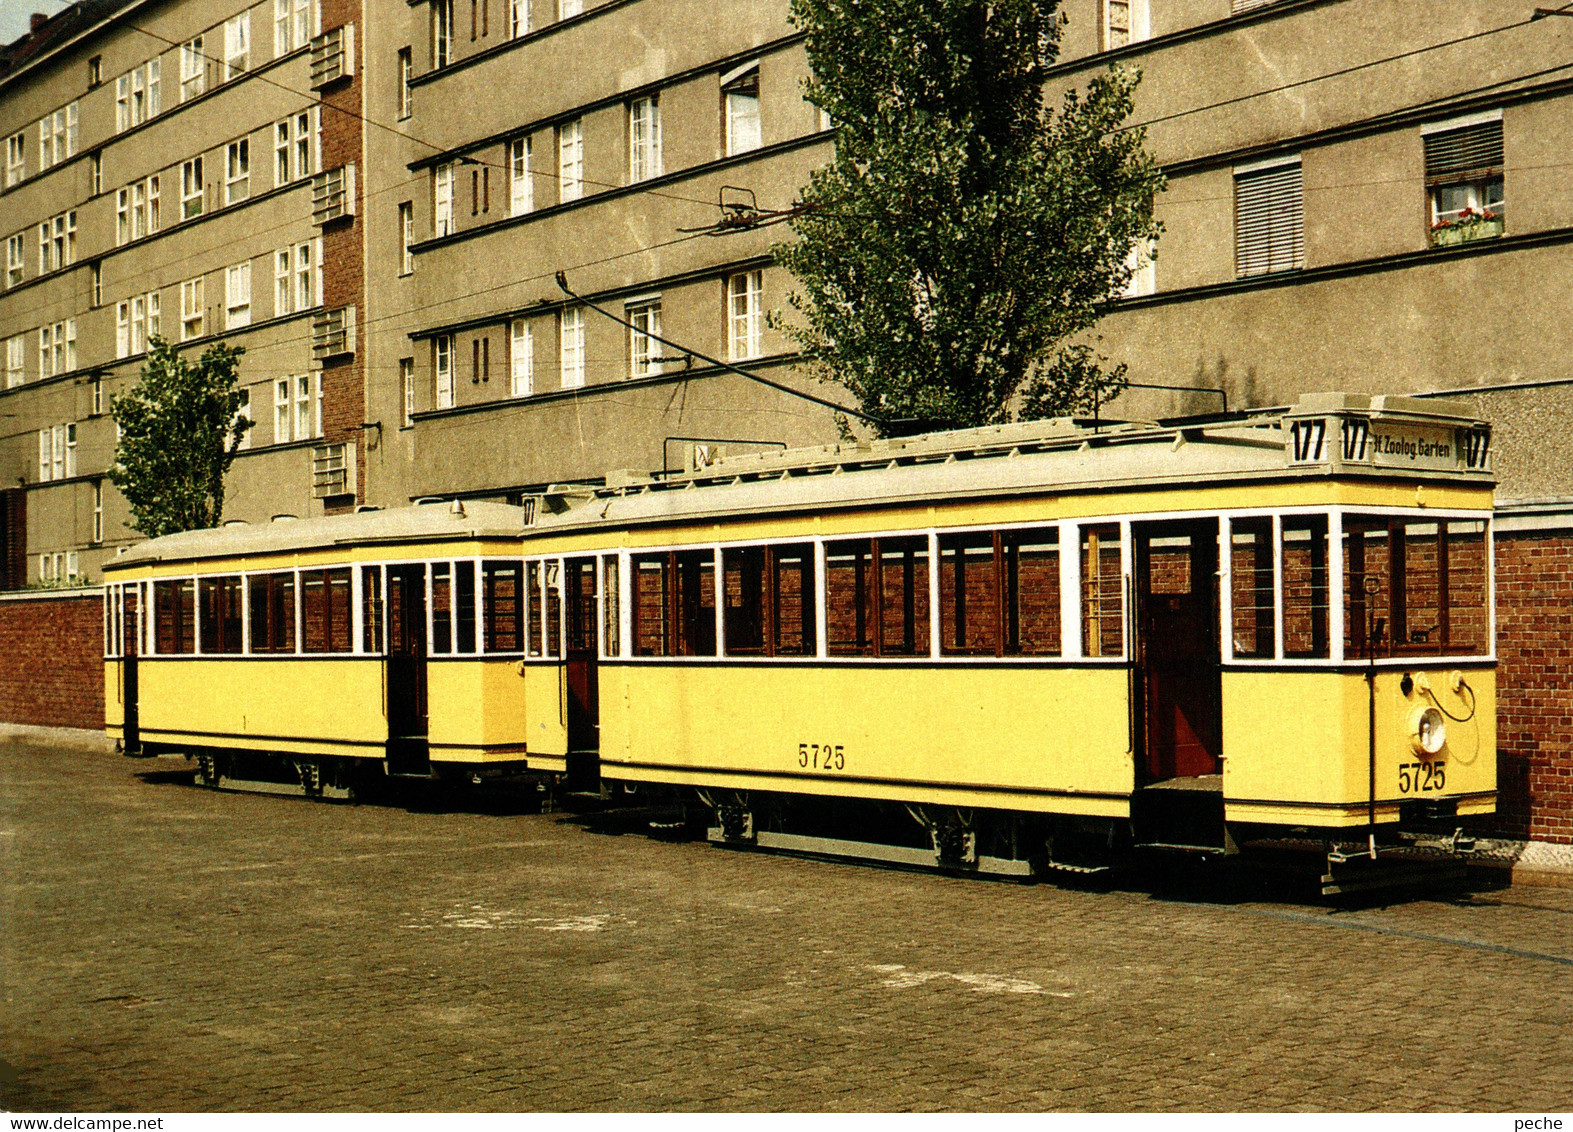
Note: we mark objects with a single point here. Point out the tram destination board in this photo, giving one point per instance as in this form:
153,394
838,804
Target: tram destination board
1385,444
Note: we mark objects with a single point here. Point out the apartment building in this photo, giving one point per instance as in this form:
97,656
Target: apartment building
174,169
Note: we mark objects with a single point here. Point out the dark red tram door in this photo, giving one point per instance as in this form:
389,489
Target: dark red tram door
581,675
1178,653
408,752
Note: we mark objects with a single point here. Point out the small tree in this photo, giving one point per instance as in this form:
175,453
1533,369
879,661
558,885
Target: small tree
965,229
179,431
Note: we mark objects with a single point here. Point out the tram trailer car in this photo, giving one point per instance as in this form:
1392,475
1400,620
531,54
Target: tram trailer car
1032,642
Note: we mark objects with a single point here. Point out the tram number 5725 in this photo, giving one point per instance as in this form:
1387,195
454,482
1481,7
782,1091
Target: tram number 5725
1415,777
821,756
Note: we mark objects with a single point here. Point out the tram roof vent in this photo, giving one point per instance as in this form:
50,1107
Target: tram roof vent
428,500
362,508
284,519
236,523
457,510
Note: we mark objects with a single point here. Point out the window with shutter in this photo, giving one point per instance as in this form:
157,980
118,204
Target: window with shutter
1269,221
1464,180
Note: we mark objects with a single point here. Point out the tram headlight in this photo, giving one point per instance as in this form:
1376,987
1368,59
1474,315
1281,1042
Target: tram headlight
1427,730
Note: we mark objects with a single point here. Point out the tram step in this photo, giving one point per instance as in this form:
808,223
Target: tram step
1084,870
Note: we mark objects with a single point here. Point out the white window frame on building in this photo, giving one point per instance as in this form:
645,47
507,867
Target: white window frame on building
521,182
243,413
291,25
407,390
137,211
98,512
521,359
15,360
57,136
441,34
1465,170
15,159
1269,217
237,171
57,348
567,9
644,138
571,358
192,189
297,408
570,160
57,242
518,18
745,317
1123,22
442,200
15,257
237,295
406,73
644,318
406,237
292,146
442,371
139,95
237,45
740,109
56,452
193,310
193,69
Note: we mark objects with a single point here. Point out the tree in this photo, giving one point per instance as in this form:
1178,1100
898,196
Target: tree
965,229
179,431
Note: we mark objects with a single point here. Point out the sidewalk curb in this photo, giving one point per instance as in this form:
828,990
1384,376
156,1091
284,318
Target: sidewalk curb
68,738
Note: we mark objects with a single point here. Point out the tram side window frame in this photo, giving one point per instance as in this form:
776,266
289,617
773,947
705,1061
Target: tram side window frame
1103,595
174,616
877,596
1394,548
675,603
1019,615
326,606
503,601
769,606
221,614
272,595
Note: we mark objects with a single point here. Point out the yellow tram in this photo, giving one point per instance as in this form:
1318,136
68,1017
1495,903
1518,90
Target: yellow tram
1035,639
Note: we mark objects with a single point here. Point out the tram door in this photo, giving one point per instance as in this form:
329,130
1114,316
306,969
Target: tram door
580,663
406,671
130,649
1178,650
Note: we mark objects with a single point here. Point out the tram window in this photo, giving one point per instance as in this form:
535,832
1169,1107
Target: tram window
554,608
903,596
325,610
273,613
221,614
581,604
464,607
441,607
1030,572
172,617
532,589
1423,572
500,597
651,628
1251,588
969,595
765,589
1304,568
695,600
371,608
849,589
876,597
611,621
1102,591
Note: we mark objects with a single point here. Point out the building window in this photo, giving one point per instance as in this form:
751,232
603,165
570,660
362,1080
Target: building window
291,25
57,348
98,511
281,401
441,33
442,205
644,352
1464,179
193,69
566,9
191,309
57,136
644,139
243,413
570,160
95,170
740,106
292,148
15,159
1268,218
293,288
15,360
1124,22
406,73
191,188
518,18
521,187
57,242
14,255
137,210
407,389
521,359
572,356
442,369
308,406
745,316
138,95
237,171
237,296
237,45
406,238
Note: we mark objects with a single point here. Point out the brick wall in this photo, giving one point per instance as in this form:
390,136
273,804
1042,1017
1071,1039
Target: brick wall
1535,685
52,660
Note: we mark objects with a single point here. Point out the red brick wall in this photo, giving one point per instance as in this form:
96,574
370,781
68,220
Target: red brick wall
1535,685
52,661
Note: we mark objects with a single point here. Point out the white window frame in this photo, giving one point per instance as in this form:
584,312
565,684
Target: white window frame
644,319
282,289
521,359
442,201
406,237
441,34
305,277
123,328
740,106
644,138
281,409
521,183
518,18
193,311
745,315
237,295
407,390
98,512
291,25
237,171
570,160
192,188
442,370
567,9
237,45
15,159
15,360
15,257
406,73
193,69
571,350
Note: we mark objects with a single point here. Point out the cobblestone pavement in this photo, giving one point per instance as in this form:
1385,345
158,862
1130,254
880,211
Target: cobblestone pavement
166,948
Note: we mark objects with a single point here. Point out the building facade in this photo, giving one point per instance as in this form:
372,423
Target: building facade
477,247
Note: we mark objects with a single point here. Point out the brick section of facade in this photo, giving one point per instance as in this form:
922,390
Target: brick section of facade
1535,685
52,660
344,251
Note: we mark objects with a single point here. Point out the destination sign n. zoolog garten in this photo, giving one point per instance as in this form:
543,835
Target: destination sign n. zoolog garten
1389,444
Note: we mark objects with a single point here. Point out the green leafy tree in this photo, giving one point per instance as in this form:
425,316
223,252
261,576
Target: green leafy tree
179,431
965,228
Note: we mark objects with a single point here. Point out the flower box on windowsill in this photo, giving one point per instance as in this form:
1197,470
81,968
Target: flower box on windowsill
1465,231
